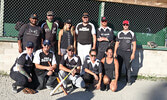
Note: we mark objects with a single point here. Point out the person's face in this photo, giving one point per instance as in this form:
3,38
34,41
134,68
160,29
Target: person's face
85,19
29,50
68,26
104,23
109,53
125,26
33,21
50,18
70,52
92,56
46,47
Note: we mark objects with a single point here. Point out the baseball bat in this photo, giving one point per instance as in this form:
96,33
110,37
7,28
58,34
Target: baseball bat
54,90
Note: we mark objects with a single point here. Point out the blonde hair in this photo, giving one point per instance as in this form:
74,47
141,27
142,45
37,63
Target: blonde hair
71,28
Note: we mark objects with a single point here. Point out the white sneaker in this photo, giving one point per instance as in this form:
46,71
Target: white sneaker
49,87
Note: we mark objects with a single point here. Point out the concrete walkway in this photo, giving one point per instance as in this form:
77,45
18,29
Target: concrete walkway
139,90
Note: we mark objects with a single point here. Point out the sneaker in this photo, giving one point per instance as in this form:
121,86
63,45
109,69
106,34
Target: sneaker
14,88
128,84
107,87
49,87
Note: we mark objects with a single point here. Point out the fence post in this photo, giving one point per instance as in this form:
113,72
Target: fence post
101,12
1,17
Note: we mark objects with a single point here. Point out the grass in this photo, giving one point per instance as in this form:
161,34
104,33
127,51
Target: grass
152,78
2,73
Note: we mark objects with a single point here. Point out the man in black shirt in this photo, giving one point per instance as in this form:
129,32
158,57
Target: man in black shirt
104,37
30,32
93,69
123,51
68,61
86,37
49,28
45,71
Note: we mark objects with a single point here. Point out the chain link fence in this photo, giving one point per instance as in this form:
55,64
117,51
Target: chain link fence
149,23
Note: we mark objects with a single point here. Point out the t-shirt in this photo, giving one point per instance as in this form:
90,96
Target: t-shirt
70,63
95,67
125,40
42,59
107,33
85,33
30,33
26,61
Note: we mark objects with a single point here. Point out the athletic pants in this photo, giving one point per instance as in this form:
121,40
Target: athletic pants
124,56
83,52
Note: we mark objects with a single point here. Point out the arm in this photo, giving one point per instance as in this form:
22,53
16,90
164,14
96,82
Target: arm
59,41
134,50
61,67
116,69
116,47
19,45
38,66
75,49
94,41
23,72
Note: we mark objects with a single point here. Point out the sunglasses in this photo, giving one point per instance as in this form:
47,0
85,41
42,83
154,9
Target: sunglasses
71,50
85,17
46,45
125,24
93,55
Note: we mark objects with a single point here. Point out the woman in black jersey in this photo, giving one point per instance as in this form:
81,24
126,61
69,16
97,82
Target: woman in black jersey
66,38
111,68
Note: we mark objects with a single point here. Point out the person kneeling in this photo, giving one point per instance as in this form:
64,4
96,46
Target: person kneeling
111,68
67,63
93,69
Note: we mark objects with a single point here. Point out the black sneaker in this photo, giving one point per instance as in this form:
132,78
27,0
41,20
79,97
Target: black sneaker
14,88
107,87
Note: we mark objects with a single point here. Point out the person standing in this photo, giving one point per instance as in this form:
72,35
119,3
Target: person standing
66,38
45,71
86,37
111,70
67,63
125,48
105,36
23,70
50,28
30,32
93,70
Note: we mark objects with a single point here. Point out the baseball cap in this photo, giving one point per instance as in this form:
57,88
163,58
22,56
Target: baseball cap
103,19
125,22
70,47
68,21
30,44
50,13
33,16
46,42
85,15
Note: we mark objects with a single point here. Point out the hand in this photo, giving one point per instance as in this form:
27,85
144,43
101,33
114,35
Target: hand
74,71
99,39
115,55
97,86
93,47
20,50
96,77
132,57
50,68
29,79
50,73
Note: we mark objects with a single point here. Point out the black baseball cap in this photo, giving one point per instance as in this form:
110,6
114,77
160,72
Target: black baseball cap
50,13
85,15
30,44
68,21
70,47
103,19
46,42
34,16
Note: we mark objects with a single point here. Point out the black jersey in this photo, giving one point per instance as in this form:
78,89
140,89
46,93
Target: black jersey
94,67
125,40
50,34
70,63
30,33
26,61
107,33
85,33
42,59
66,39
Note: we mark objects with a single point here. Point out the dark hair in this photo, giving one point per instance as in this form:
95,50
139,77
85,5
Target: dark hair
92,50
110,48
